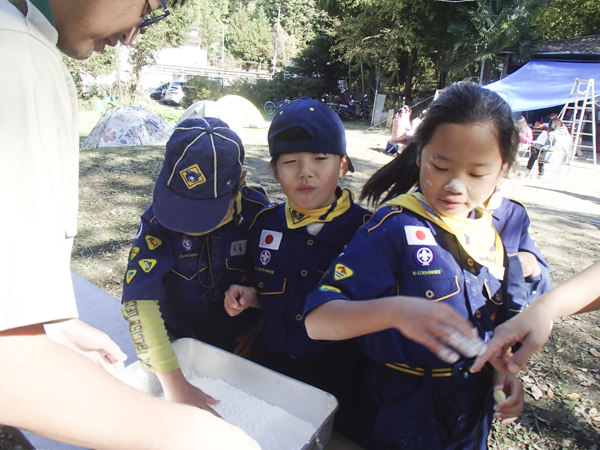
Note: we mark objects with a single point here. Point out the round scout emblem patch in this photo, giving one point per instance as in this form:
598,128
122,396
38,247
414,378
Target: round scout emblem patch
186,243
424,257
265,257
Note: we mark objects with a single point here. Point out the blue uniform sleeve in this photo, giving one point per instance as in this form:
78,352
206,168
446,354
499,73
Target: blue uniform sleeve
364,270
150,258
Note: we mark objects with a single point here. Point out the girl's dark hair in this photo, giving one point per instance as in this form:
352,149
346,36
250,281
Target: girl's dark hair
460,103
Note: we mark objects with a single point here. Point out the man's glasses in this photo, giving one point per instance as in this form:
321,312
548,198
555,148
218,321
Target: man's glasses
146,21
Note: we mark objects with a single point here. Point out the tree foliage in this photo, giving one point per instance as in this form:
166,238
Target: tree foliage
485,27
567,19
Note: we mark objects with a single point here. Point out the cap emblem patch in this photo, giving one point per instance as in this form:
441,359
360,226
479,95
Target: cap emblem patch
192,176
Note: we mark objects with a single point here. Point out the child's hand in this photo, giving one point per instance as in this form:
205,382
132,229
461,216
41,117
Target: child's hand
508,411
529,264
531,327
178,389
246,339
438,327
238,298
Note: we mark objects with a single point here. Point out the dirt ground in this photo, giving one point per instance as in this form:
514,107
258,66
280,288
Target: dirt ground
562,396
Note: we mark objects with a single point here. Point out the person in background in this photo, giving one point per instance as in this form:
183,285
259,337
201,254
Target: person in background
429,260
558,140
525,134
190,247
400,128
45,387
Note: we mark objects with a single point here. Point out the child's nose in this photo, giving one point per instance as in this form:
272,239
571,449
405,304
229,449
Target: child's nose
456,186
306,170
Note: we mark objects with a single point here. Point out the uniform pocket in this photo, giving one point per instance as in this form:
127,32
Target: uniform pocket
435,288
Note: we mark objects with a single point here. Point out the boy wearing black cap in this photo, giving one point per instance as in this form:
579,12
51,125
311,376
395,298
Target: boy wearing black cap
294,243
190,247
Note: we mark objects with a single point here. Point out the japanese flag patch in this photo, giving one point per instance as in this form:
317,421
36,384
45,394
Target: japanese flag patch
270,239
419,235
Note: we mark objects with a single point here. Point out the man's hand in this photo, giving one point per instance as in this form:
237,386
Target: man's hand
88,341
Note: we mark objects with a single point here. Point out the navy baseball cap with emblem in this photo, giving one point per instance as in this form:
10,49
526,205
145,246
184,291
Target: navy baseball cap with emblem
325,131
203,162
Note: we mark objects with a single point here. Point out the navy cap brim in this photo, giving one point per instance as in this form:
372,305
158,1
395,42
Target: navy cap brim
193,216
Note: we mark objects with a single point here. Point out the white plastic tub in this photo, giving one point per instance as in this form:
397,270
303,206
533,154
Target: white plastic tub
198,359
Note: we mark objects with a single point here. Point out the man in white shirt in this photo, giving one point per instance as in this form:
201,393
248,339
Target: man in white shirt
45,387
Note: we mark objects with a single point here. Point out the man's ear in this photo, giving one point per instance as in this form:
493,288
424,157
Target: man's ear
418,159
275,173
343,166
243,178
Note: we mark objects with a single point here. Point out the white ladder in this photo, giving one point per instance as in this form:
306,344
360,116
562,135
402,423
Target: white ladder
582,105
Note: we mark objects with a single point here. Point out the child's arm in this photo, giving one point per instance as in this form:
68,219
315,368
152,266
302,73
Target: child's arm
508,410
153,347
239,298
437,326
532,327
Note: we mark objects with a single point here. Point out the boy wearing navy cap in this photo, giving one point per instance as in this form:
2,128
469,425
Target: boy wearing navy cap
293,244
190,247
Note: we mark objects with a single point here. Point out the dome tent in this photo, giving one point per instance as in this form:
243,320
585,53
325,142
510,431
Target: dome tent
128,126
240,110
203,108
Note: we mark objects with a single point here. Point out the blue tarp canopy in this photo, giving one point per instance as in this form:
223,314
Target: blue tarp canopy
543,84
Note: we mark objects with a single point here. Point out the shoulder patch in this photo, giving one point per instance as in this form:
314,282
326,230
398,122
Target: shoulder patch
327,288
153,242
341,272
416,235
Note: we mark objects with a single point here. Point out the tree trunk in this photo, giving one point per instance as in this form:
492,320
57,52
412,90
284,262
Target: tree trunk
118,71
412,57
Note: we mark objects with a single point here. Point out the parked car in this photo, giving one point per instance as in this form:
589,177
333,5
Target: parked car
174,93
157,93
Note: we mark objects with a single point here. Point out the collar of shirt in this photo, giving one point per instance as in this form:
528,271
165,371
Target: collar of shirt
45,9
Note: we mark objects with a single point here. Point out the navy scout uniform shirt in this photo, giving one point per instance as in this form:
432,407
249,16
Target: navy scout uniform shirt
399,252
189,275
288,264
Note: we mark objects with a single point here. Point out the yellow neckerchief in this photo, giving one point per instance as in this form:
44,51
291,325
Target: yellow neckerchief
477,236
297,217
237,209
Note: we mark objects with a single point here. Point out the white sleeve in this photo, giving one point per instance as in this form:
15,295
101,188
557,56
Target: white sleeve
38,174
